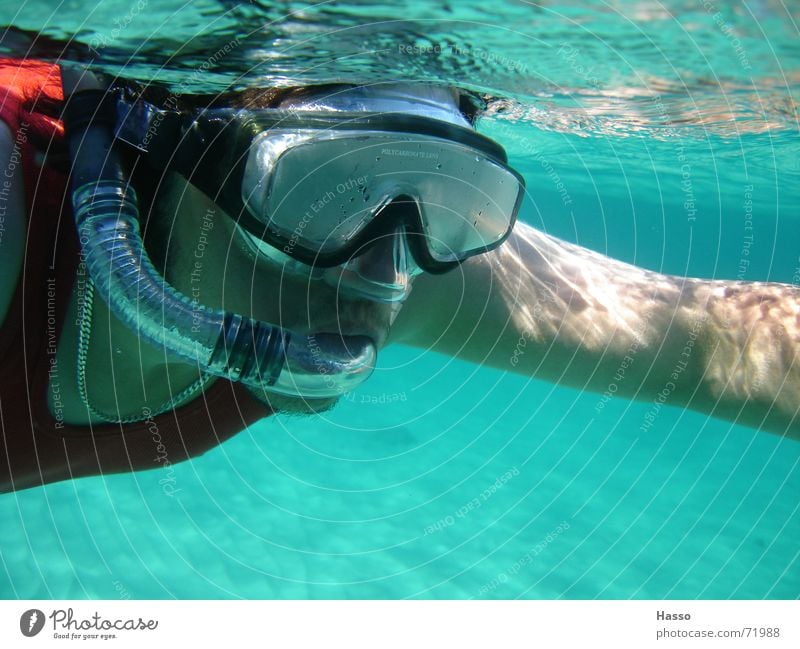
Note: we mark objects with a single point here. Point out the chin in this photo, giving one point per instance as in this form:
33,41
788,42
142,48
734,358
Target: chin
287,405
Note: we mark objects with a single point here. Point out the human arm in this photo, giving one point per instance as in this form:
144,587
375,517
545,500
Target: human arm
573,316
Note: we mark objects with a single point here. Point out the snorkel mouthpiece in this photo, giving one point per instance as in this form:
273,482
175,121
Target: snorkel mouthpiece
258,354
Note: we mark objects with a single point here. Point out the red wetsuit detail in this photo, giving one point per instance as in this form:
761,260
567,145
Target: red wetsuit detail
35,447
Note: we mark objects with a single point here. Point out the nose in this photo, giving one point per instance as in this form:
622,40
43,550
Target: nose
382,273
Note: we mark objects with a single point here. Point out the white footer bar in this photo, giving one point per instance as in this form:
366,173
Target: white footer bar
399,624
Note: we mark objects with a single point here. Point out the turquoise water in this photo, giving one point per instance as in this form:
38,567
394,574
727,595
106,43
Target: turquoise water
656,119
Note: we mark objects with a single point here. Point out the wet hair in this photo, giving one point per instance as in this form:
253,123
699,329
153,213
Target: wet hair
163,97
470,104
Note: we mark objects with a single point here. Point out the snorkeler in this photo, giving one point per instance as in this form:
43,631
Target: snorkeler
187,271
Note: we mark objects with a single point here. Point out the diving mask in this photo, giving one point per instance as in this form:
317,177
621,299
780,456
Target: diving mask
314,183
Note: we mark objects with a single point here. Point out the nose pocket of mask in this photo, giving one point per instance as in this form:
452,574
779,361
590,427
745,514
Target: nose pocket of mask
382,272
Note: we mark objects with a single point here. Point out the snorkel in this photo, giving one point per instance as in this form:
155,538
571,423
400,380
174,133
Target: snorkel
258,354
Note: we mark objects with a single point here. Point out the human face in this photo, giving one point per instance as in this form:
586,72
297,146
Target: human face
214,262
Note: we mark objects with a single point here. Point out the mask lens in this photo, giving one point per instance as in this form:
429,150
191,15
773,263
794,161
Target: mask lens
320,194
474,210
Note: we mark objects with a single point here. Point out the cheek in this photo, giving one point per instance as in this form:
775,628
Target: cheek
288,299
262,288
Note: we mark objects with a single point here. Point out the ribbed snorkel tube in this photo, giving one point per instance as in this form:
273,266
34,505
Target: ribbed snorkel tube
238,348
